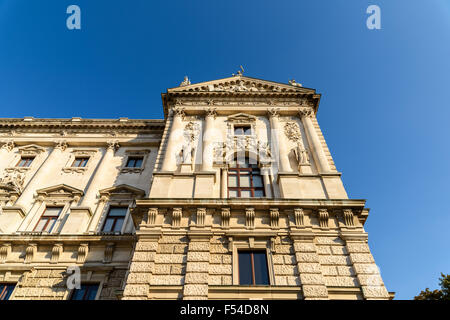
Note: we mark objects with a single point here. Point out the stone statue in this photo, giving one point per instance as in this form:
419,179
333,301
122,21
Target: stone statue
295,84
301,154
185,82
13,180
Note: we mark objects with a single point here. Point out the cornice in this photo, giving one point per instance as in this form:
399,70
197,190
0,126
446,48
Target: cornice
77,125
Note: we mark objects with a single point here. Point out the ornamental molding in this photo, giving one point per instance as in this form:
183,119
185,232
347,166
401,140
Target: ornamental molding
122,192
8,145
292,131
30,150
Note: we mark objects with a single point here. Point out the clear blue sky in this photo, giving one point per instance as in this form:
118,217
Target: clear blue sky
384,110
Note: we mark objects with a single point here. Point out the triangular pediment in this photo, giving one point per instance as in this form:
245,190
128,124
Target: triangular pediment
239,117
242,84
123,189
31,148
60,189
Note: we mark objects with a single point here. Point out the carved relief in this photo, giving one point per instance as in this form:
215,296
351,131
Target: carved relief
274,217
292,132
113,145
225,215
299,217
201,214
323,218
83,250
61,145
348,217
250,218
8,145
176,217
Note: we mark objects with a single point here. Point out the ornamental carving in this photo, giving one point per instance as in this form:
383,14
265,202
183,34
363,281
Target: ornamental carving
14,180
292,131
225,151
61,145
306,112
185,82
8,145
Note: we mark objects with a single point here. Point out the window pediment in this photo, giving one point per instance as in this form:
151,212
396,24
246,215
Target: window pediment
122,191
60,192
30,150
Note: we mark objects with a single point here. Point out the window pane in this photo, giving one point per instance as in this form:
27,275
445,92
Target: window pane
52,211
108,225
257,181
261,273
138,163
117,212
86,292
118,225
76,163
248,131
238,130
50,224
40,225
232,181
92,292
259,193
246,194
244,181
6,290
25,162
232,193
245,268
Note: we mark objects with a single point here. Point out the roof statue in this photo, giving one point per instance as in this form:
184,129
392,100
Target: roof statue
239,72
185,82
295,84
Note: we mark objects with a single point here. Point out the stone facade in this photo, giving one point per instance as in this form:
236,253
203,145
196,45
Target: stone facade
182,232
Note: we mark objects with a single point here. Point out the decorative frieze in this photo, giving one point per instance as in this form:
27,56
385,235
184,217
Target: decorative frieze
323,218
348,217
299,217
274,217
176,217
250,218
83,250
56,252
201,214
225,217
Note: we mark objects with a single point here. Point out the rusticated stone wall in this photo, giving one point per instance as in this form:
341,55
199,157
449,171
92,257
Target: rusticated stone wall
41,284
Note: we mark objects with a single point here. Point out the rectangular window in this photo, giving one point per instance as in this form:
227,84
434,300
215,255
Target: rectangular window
80,162
253,268
48,219
134,162
25,162
115,219
6,290
86,292
242,130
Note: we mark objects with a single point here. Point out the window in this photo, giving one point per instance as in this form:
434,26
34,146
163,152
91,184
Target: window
6,290
48,219
86,292
134,162
115,219
242,130
245,181
253,268
80,162
25,162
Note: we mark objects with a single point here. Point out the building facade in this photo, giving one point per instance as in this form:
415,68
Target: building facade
233,195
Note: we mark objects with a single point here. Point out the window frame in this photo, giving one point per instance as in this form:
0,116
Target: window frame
124,219
246,128
46,224
251,244
253,272
27,164
134,157
236,172
85,160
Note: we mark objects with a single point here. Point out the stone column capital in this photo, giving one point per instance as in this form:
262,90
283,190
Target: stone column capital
274,112
113,145
306,112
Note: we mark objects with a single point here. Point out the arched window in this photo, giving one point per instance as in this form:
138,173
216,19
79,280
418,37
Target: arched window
245,180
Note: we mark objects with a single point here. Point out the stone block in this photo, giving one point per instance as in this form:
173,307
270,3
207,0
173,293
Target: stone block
293,280
345,271
366,268
306,257
218,248
341,281
358,247
198,256
220,269
180,248
195,290
170,258
142,267
162,269
374,292
329,271
143,256
311,291
370,280
199,246
285,270
339,250
361,258
334,260
311,278
304,247
329,240
324,250
136,290
146,246
214,280
197,267
165,248
158,280
178,269
309,267
199,278
284,248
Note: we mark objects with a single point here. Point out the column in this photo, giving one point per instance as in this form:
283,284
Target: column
46,168
314,141
224,183
266,181
174,140
278,139
100,173
208,140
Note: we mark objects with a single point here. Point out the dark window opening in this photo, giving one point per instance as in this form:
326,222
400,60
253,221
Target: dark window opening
242,130
25,162
86,292
134,162
6,289
80,162
115,219
253,268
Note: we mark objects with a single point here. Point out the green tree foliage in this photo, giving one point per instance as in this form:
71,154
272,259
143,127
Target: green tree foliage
443,294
